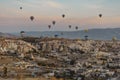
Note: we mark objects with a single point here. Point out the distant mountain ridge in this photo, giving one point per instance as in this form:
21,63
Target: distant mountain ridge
7,35
96,34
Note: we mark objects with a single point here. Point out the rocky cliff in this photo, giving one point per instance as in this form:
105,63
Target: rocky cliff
15,46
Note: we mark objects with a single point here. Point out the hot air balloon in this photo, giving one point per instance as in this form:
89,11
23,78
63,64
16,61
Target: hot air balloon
70,26
22,33
76,27
86,30
53,22
86,37
20,7
49,26
63,15
100,15
32,18
56,35
114,38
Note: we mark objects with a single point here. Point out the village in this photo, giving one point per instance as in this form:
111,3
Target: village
67,59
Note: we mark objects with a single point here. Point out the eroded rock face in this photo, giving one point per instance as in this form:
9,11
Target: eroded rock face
18,46
74,57
79,46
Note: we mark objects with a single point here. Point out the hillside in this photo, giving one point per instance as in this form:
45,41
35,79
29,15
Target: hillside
7,35
97,34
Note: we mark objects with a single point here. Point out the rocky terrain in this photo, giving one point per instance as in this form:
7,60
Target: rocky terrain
69,59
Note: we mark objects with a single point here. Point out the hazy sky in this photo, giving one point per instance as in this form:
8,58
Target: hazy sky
81,13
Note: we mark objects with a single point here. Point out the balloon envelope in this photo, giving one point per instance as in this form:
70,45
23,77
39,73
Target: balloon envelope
76,27
70,26
53,22
32,18
100,15
49,26
20,7
22,32
86,30
63,15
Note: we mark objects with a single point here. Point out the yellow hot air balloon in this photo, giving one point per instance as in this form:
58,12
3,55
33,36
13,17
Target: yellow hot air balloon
86,30
114,38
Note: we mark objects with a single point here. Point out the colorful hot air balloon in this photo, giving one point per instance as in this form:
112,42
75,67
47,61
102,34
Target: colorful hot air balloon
31,18
114,38
86,30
